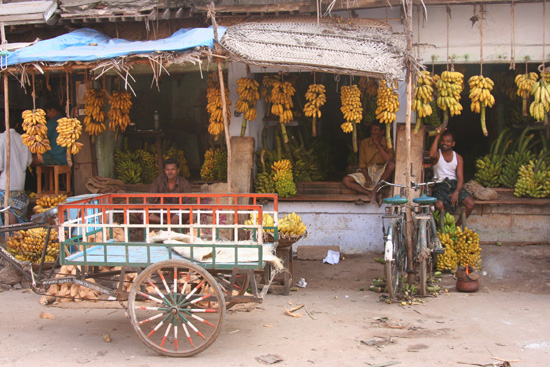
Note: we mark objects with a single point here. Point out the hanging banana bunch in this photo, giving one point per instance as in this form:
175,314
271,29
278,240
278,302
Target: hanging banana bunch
95,100
281,97
449,86
215,106
352,109
267,87
423,95
316,96
480,94
368,87
540,106
36,132
388,105
119,114
525,83
248,96
69,130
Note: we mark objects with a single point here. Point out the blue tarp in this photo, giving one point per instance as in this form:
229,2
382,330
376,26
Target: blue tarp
90,45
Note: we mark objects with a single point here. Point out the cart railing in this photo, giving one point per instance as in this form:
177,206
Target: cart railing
114,230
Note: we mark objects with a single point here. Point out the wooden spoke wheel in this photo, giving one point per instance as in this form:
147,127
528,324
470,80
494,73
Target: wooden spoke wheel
177,308
238,288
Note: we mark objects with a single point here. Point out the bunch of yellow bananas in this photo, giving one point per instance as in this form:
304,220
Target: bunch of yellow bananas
69,130
215,105
95,100
541,103
36,132
352,108
545,75
525,83
267,87
281,97
291,225
119,114
423,95
449,86
367,86
47,202
387,102
248,90
283,178
267,221
480,94
316,96
28,245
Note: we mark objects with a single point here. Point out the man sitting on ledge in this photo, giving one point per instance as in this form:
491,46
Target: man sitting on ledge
375,164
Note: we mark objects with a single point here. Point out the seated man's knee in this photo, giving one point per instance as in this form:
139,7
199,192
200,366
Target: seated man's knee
439,205
390,166
468,203
347,180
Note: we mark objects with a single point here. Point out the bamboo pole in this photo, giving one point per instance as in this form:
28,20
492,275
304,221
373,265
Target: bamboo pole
408,168
212,15
8,140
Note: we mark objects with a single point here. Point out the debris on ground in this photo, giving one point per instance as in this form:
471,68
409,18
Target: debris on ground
269,358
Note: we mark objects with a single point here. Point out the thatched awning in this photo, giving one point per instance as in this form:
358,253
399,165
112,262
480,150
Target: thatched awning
367,49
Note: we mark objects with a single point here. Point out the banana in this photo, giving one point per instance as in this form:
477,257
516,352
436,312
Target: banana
214,106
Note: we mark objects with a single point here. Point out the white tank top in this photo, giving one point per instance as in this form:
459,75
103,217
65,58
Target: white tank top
443,169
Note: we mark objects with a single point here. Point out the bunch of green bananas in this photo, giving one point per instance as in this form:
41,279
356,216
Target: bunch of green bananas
149,165
489,167
448,221
214,167
534,179
283,177
513,161
128,166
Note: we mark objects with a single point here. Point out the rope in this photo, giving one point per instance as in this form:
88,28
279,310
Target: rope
543,34
33,93
481,40
448,28
513,40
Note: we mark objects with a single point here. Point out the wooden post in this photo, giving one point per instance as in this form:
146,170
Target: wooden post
7,123
217,50
408,80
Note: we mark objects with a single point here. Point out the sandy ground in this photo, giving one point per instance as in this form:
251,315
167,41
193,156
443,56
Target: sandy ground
508,319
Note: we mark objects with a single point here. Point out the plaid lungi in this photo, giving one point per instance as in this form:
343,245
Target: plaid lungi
18,203
374,171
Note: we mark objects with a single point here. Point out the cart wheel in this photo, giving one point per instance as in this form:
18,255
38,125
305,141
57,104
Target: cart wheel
177,308
239,287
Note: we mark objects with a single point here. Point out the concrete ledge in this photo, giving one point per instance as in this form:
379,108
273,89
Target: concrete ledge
315,252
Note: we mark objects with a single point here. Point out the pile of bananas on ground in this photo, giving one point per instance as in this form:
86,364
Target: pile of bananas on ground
513,161
352,108
540,106
119,114
283,177
449,224
534,179
214,167
449,86
248,90
525,83
423,96
94,102
388,105
36,132
128,166
316,98
69,130
268,223
489,167
179,156
215,106
480,94
461,248
47,202
291,225
28,245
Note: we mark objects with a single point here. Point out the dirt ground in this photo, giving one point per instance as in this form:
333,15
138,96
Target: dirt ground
507,319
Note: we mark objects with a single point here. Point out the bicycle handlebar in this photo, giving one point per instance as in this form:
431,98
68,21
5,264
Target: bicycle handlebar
5,209
414,185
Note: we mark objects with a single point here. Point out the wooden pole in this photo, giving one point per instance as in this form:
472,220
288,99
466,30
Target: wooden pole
408,80
7,123
217,50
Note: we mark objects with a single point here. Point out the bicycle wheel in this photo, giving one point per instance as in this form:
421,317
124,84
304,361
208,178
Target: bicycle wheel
164,305
423,254
396,266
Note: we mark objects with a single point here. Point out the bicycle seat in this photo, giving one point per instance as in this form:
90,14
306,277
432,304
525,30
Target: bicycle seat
424,199
396,200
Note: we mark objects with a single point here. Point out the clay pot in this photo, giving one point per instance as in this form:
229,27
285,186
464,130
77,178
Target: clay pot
467,285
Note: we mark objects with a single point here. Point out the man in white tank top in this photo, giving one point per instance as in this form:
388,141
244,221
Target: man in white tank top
448,165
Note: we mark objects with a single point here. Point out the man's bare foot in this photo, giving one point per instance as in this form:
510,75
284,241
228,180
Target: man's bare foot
379,199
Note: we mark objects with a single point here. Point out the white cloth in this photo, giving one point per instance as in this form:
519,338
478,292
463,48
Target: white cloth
443,169
20,159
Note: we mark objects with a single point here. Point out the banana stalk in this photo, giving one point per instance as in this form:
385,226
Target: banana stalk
388,136
418,123
354,136
243,126
483,122
283,131
314,126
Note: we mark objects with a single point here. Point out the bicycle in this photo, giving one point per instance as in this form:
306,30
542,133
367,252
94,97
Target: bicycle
425,234
395,249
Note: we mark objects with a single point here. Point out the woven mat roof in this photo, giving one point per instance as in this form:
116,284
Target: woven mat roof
369,49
